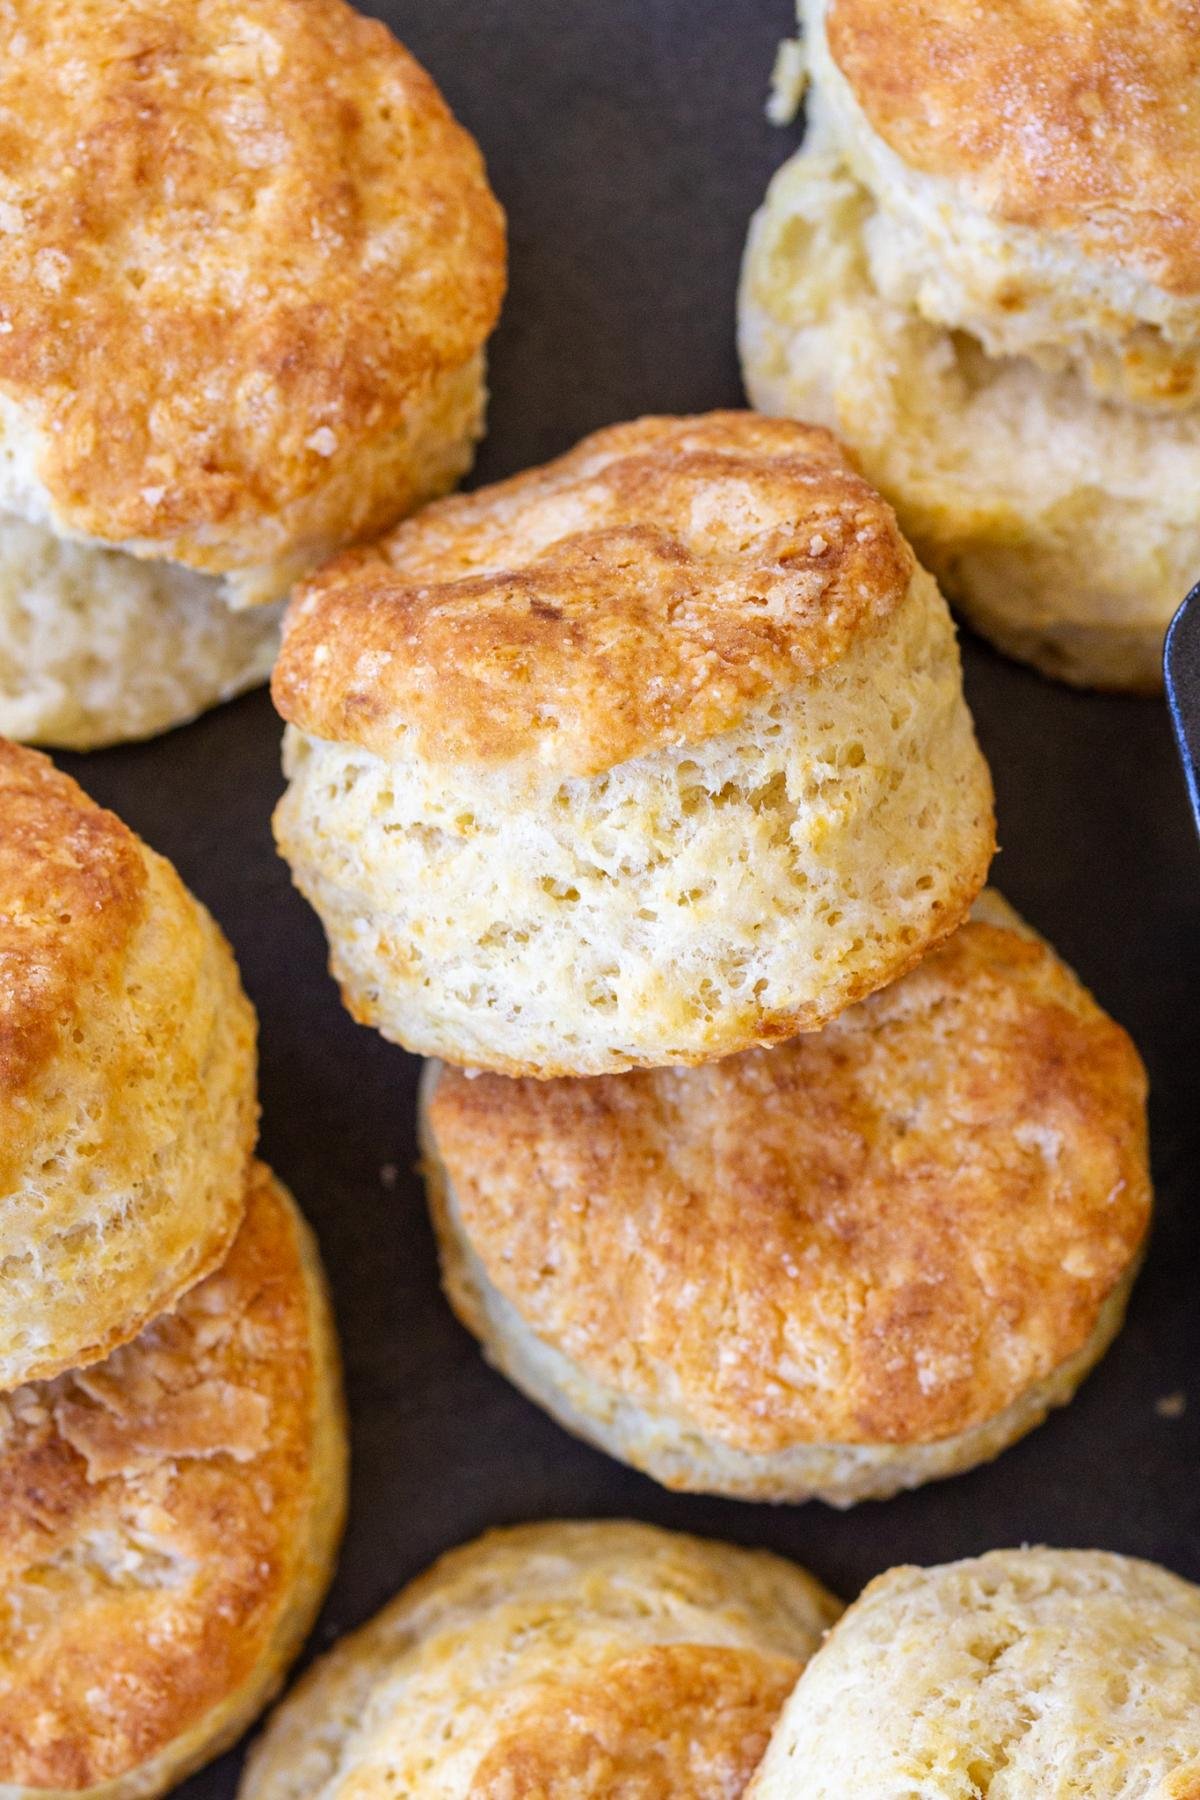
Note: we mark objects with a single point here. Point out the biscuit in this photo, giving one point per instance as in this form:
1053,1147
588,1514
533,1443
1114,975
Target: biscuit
96,648
1035,172
1048,491
646,756
168,1525
583,1659
1041,1671
248,264
865,1259
127,1079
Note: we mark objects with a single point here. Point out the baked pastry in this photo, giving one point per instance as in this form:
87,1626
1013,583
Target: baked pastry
127,1079
588,1659
645,756
99,648
248,262
863,1260
983,270
1043,1671
168,1525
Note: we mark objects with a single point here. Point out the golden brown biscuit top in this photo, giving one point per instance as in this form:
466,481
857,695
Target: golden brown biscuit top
596,1657
677,1722
235,239
147,1515
1066,117
879,1233
644,590
72,892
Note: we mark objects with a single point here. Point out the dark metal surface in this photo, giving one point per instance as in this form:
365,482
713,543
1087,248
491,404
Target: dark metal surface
1181,666
626,139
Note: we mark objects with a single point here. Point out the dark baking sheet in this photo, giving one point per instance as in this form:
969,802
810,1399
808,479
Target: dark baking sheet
627,140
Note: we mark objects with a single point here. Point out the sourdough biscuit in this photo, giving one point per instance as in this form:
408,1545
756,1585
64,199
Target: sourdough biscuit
248,263
579,1660
168,1524
1011,357
127,1079
642,757
868,1258
1024,1672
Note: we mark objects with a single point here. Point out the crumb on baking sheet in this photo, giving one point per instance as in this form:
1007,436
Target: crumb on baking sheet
789,79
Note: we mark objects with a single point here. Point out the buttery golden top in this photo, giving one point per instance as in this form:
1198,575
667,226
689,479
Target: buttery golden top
644,590
586,1660
678,1722
1082,119
235,239
880,1233
72,892
148,1516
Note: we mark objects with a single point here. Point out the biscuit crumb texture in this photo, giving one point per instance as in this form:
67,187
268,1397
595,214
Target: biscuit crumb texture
642,758
167,1525
1019,1674
1064,525
676,908
583,1659
127,1079
98,648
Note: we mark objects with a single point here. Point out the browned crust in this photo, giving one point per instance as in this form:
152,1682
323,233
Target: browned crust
241,224
72,893
646,589
883,1233
150,1513
1082,119
677,1722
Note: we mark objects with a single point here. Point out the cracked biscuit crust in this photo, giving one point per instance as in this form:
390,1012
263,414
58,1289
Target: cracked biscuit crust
644,591
168,1520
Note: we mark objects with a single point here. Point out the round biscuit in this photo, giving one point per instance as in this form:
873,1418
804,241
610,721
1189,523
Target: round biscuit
128,1109
248,262
870,1257
642,757
585,1658
168,1524
1023,1673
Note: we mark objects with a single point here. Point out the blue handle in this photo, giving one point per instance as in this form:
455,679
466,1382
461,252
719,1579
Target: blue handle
1181,667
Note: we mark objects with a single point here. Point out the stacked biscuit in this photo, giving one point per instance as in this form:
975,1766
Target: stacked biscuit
172,1450
248,263
983,271
777,1160
766,1148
